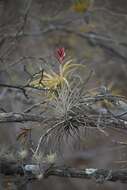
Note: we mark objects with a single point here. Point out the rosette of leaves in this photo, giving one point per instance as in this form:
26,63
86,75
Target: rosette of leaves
53,81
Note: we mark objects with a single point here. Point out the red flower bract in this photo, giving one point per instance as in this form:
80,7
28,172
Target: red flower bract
60,54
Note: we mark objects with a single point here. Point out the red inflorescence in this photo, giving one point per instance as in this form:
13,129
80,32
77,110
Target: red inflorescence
60,54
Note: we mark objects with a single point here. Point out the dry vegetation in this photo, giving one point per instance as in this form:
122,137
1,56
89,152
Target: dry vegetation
63,97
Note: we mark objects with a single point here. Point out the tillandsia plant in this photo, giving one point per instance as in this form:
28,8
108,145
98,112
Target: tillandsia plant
53,81
81,6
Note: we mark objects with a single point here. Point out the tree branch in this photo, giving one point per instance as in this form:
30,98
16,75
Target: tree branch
19,117
31,171
100,175
22,88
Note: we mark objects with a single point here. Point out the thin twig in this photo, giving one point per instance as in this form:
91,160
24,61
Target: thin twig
34,106
45,135
22,88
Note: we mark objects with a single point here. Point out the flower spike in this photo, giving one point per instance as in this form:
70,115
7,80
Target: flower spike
60,54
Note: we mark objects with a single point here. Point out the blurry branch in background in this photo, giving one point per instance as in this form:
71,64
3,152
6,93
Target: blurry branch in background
109,12
93,38
3,110
36,172
61,27
25,16
20,30
23,58
20,117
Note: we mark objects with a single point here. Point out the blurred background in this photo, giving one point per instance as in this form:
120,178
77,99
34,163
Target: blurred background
92,32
